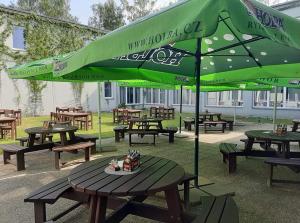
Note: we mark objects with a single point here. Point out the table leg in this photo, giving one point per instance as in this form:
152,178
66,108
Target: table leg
72,136
249,144
101,209
31,140
174,207
286,150
86,123
93,208
63,139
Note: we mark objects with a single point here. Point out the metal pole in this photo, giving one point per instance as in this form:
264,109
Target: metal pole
99,114
197,73
180,110
275,109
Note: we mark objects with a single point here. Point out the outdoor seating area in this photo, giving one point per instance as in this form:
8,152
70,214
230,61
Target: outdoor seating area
150,111
9,120
75,115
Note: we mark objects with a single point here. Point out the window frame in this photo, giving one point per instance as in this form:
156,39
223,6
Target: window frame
12,34
111,91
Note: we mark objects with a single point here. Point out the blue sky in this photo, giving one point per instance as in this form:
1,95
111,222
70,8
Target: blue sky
82,8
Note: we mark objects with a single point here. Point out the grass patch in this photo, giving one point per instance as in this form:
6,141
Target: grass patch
108,125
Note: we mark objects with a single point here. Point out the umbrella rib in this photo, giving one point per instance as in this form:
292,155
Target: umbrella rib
146,59
178,50
242,44
233,45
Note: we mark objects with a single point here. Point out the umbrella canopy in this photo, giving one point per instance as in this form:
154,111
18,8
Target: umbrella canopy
253,42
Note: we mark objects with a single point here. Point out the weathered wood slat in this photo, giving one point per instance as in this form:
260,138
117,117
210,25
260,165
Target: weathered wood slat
174,173
217,210
89,169
50,191
44,188
116,184
81,145
91,164
143,187
124,189
230,212
284,162
206,206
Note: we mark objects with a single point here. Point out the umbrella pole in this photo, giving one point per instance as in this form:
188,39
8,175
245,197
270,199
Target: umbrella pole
180,110
275,109
99,114
197,73
234,113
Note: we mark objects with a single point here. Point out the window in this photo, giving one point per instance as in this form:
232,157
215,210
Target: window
130,95
18,38
188,98
286,98
155,96
225,98
107,90
137,95
162,96
148,95
123,95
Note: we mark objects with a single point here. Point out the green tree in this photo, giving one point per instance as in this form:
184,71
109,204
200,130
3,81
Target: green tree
107,16
53,8
41,44
138,9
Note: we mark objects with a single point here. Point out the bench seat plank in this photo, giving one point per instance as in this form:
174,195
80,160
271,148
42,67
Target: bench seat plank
81,145
283,161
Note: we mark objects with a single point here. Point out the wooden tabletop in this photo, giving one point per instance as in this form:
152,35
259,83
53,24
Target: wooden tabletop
130,110
155,174
269,135
41,130
9,119
75,114
146,120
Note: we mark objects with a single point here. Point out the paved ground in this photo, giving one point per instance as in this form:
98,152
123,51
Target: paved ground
256,202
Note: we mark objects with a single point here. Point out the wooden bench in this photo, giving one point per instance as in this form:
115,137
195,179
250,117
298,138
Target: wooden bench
86,146
142,132
188,124
230,152
186,188
88,138
49,194
291,163
120,132
171,131
229,123
220,209
13,149
208,124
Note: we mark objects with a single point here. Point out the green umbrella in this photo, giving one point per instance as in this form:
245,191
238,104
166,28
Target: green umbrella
193,37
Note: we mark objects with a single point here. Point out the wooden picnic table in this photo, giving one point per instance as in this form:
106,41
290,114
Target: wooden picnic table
119,114
162,112
155,174
72,116
10,122
62,131
296,123
210,116
269,136
146,123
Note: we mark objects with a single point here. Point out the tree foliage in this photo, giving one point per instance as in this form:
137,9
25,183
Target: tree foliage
53,8
44,37
138,9
107,16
